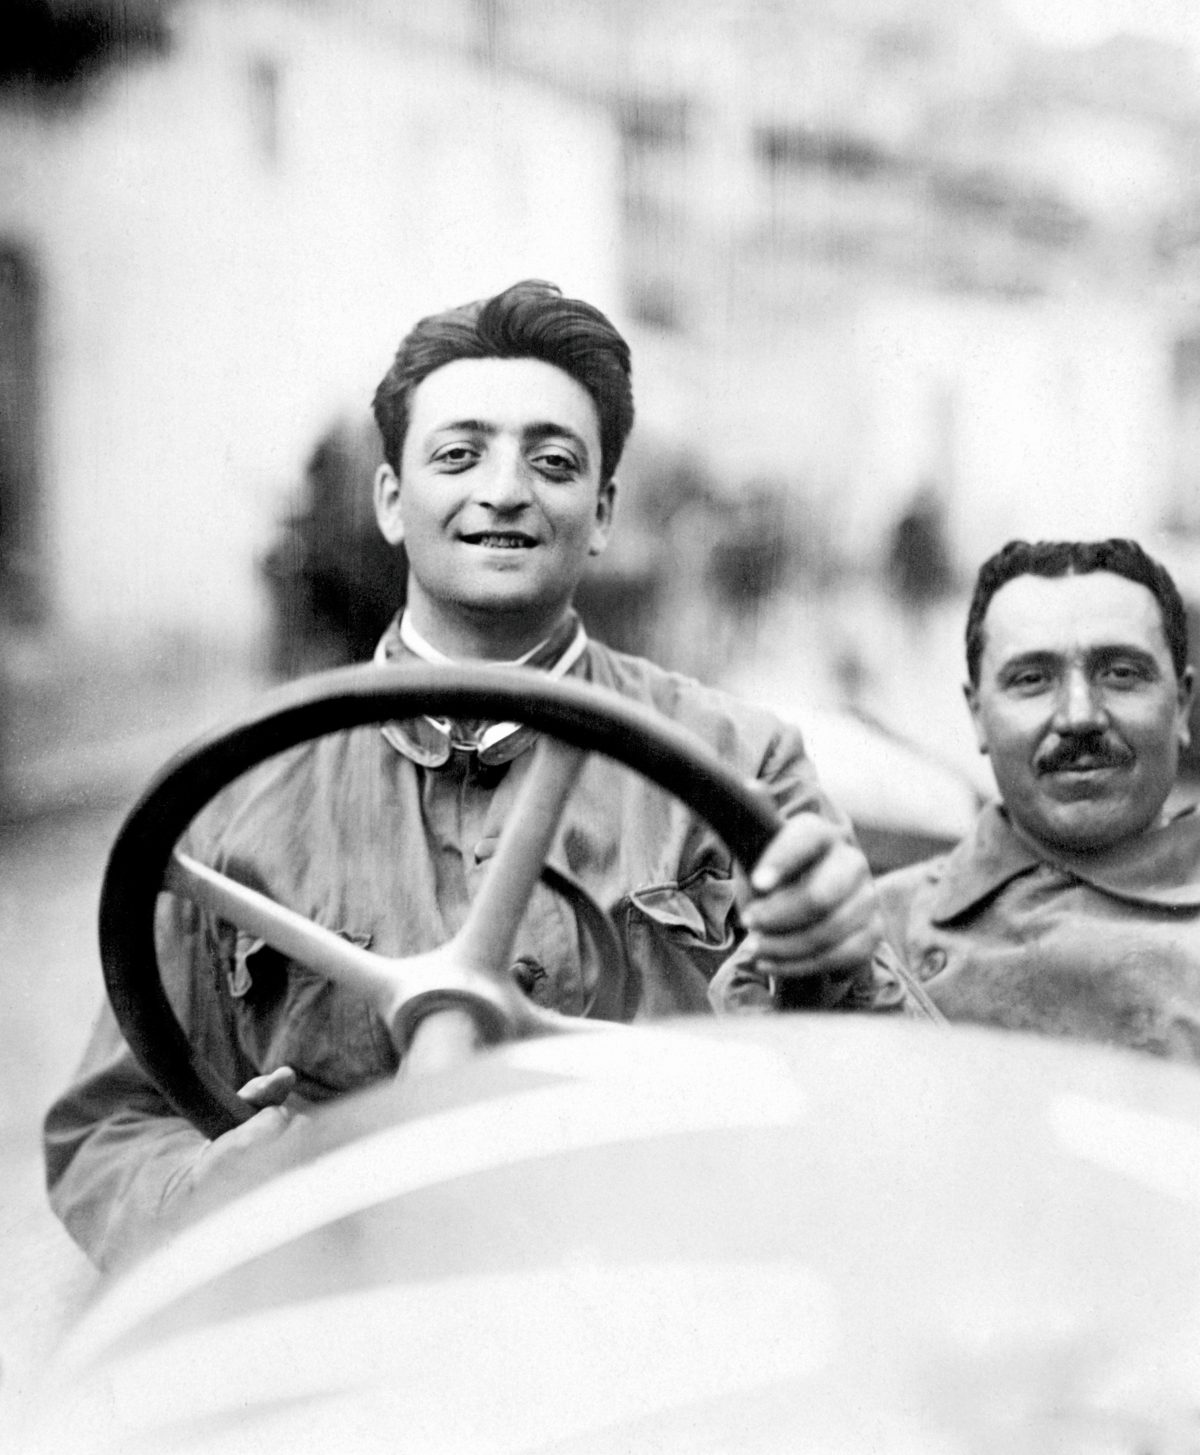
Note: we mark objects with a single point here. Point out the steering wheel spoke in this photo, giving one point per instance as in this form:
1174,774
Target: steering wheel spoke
299,938
471,972
400,989
486,940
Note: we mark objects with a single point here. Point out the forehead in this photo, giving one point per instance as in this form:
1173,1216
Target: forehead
1062,615
505,393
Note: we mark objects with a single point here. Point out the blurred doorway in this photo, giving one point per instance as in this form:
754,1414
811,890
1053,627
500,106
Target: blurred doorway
20,596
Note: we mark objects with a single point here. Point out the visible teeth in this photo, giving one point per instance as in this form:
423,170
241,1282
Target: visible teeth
507,542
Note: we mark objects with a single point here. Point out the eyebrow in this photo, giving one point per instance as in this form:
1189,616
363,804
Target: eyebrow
549,430
531,434
1099,655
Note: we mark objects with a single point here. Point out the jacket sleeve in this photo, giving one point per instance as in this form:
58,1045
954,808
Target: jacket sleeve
114,1147
740,988
789,775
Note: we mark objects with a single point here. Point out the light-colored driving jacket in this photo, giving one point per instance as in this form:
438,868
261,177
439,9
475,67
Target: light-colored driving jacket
354,834
1100,947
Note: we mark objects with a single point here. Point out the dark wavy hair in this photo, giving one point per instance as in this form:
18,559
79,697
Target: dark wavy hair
530,320
1077,558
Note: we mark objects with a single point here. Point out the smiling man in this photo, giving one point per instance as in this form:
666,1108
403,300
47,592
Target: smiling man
499,511
1074,906
502,425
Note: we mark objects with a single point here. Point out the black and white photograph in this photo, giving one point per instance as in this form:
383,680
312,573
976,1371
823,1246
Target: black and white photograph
599,734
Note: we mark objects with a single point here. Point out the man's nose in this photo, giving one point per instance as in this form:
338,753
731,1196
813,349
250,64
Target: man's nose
504,485
1080,706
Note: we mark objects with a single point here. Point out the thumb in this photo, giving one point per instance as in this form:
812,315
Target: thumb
215,1171
264,1126
272,1089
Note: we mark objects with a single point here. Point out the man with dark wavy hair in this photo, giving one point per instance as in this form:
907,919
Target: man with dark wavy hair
502,422
1074,906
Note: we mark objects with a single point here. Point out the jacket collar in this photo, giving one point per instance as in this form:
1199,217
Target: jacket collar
1159,868
431,742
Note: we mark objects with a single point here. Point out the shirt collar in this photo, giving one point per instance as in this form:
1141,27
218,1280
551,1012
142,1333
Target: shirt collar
1158,868
432,741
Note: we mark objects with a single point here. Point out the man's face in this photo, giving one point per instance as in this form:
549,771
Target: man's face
498,502
1079,708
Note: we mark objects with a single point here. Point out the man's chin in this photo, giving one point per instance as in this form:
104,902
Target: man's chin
503,604
505,599
1085,824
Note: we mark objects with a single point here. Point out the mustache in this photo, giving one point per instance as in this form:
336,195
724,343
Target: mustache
1088,751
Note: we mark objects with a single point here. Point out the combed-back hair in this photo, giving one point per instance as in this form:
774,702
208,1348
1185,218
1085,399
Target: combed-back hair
530,320
1077,558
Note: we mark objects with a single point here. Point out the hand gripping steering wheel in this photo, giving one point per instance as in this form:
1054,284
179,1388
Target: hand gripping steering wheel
470,971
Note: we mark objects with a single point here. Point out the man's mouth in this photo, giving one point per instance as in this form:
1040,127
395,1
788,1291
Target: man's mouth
1082,763
500,540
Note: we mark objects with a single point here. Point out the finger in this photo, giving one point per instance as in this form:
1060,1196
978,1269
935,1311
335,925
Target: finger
798,957
830,881
224,1156
272,1089
847,930
801,842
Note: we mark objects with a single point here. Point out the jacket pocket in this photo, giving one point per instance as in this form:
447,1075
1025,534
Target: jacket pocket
287,1015
679,936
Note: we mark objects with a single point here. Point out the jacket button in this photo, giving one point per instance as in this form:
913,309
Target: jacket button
532,979
933,962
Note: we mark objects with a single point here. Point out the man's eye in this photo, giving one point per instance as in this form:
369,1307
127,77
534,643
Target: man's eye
1123,674
556,463
1029,679
455,457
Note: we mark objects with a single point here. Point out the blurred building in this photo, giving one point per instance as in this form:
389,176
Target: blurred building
888,258
216,220
871,254
876,245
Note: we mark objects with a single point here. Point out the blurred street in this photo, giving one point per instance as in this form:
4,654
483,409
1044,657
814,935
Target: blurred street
50,871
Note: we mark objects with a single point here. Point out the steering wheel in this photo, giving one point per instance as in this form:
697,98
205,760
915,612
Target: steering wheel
471,970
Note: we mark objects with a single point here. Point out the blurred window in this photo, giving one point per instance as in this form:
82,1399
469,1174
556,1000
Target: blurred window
655,301
1039,215
798,148
652,123
264,107
1185,511
488,30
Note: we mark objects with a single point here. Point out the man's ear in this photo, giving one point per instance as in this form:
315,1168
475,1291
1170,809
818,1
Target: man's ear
387,505
971,693
601,529
1187,693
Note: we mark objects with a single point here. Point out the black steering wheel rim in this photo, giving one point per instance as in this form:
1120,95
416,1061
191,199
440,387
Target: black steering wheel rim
579,713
